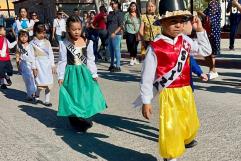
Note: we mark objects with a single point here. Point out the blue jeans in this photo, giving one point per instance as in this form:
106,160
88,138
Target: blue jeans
114,48
59,38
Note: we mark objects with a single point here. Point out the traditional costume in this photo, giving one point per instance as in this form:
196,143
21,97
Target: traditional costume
26,60
167,70
44,63
80,95
6,69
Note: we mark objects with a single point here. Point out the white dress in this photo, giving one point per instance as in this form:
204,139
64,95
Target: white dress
44,62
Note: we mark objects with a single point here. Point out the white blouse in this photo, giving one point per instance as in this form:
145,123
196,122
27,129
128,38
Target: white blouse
63,60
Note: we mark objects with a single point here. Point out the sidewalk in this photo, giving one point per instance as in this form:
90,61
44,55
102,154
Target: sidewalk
227,59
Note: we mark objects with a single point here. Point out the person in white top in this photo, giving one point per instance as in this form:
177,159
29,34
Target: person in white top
44,62
23,22
59,27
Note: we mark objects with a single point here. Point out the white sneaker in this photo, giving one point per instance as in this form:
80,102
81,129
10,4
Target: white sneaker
132,62
212,75
136,61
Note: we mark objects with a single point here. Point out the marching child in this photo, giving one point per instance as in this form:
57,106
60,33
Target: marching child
44,62
26,62
80,96
167,70
6,68
195,68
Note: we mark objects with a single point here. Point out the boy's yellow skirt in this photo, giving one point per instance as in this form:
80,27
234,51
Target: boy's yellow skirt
178,121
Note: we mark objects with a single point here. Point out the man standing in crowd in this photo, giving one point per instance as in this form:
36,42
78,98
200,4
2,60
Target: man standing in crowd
100,25
59,26
2,20
234,18
77,13
115,23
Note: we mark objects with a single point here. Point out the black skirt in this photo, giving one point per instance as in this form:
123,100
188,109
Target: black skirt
6,68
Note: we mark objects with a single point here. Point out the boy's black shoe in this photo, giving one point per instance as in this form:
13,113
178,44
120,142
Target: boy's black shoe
3,86
111,68
9,81
47,104
192,144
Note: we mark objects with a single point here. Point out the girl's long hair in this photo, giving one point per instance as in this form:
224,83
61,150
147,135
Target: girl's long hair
137,9
19,11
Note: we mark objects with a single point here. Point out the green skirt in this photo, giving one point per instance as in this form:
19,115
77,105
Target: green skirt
80,94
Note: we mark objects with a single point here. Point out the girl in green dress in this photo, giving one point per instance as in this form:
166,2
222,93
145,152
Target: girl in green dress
80,96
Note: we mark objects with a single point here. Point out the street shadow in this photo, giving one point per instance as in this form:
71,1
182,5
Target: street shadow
89,144
230,74
119,77
14,94
219,89
128,125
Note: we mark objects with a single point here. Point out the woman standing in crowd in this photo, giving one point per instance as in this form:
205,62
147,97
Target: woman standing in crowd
132,22
80,96
44,62
59,27
34,17
213,11
148,31
23,22
92,34
114,28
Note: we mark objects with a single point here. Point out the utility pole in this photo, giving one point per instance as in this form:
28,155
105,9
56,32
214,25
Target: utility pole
8,8
191,3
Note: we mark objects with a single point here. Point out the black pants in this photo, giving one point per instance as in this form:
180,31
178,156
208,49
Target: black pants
234,22
131,44
6,68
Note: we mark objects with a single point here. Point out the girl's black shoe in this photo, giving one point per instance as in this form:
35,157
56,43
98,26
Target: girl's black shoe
4,86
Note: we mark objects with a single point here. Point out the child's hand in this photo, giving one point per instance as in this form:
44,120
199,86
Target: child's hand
197,24
204,77
35,72
60,81
54,71
146,111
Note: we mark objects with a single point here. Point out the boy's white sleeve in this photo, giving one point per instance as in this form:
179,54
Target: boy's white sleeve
91,60
11,45
62,60
51,55
148,76
201,46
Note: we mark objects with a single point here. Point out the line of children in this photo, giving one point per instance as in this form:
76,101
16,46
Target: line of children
167,69
80,96
6,68
26,62
44,62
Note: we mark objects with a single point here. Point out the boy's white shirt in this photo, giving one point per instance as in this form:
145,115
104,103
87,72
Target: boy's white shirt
63,60
200,46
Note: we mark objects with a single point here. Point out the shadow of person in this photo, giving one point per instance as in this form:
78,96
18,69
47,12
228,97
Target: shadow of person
119,77
89,144
14,94
128,125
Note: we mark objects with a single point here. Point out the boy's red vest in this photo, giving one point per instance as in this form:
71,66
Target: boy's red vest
167,56
7,56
